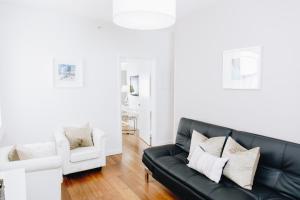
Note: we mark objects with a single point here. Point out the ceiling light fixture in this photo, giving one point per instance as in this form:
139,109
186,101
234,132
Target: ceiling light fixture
144,14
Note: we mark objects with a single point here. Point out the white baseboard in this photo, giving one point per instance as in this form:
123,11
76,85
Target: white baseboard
110,152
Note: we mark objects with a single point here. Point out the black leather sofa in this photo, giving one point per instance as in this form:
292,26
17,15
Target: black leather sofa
277,176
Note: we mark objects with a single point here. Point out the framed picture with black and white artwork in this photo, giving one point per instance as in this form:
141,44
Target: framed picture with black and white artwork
134,85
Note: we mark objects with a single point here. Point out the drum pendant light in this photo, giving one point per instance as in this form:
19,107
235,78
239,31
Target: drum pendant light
144,14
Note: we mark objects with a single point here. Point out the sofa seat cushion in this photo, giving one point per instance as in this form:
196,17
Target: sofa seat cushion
258,191
84,153
176,167
226,189
265,193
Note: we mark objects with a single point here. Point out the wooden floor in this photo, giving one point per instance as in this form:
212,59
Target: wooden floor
122,178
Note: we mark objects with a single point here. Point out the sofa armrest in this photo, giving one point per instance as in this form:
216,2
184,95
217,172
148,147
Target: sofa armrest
153,153
160,151
32,165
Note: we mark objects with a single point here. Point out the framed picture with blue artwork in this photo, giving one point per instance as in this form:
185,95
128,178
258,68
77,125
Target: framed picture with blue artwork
68,73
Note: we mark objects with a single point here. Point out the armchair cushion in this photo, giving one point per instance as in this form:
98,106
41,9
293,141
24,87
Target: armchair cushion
84,153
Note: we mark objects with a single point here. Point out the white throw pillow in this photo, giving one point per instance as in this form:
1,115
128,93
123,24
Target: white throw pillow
207,164
242,163
212,145
38,150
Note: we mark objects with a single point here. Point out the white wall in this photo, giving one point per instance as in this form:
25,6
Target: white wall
200,40
1,132
32,108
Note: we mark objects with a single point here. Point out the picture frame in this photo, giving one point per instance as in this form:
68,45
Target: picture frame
68,73
134,85
242,68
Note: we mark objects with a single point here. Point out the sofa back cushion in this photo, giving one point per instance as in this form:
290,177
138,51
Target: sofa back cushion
186,127
279,164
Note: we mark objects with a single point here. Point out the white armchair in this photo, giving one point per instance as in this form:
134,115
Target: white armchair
43,175
83,158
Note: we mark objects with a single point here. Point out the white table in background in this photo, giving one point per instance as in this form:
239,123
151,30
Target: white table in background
14,184
130,114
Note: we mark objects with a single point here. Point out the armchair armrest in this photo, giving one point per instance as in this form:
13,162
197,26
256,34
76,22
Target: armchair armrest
62,145
60,139
99,139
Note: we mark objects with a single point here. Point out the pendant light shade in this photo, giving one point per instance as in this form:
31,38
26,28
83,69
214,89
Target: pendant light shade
0,119
144,14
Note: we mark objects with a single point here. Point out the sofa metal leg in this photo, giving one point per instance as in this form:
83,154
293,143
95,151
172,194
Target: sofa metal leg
147,175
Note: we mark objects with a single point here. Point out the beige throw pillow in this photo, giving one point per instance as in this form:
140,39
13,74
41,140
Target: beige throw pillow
13,154
242,163
212,145
79,137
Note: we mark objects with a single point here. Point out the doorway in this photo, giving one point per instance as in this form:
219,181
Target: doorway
137,91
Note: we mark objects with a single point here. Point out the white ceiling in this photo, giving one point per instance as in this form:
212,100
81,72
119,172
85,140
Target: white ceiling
101,9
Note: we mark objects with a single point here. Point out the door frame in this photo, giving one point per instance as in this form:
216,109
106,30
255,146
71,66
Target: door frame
153,93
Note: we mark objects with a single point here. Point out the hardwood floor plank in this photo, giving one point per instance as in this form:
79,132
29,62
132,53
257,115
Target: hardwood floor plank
122,178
